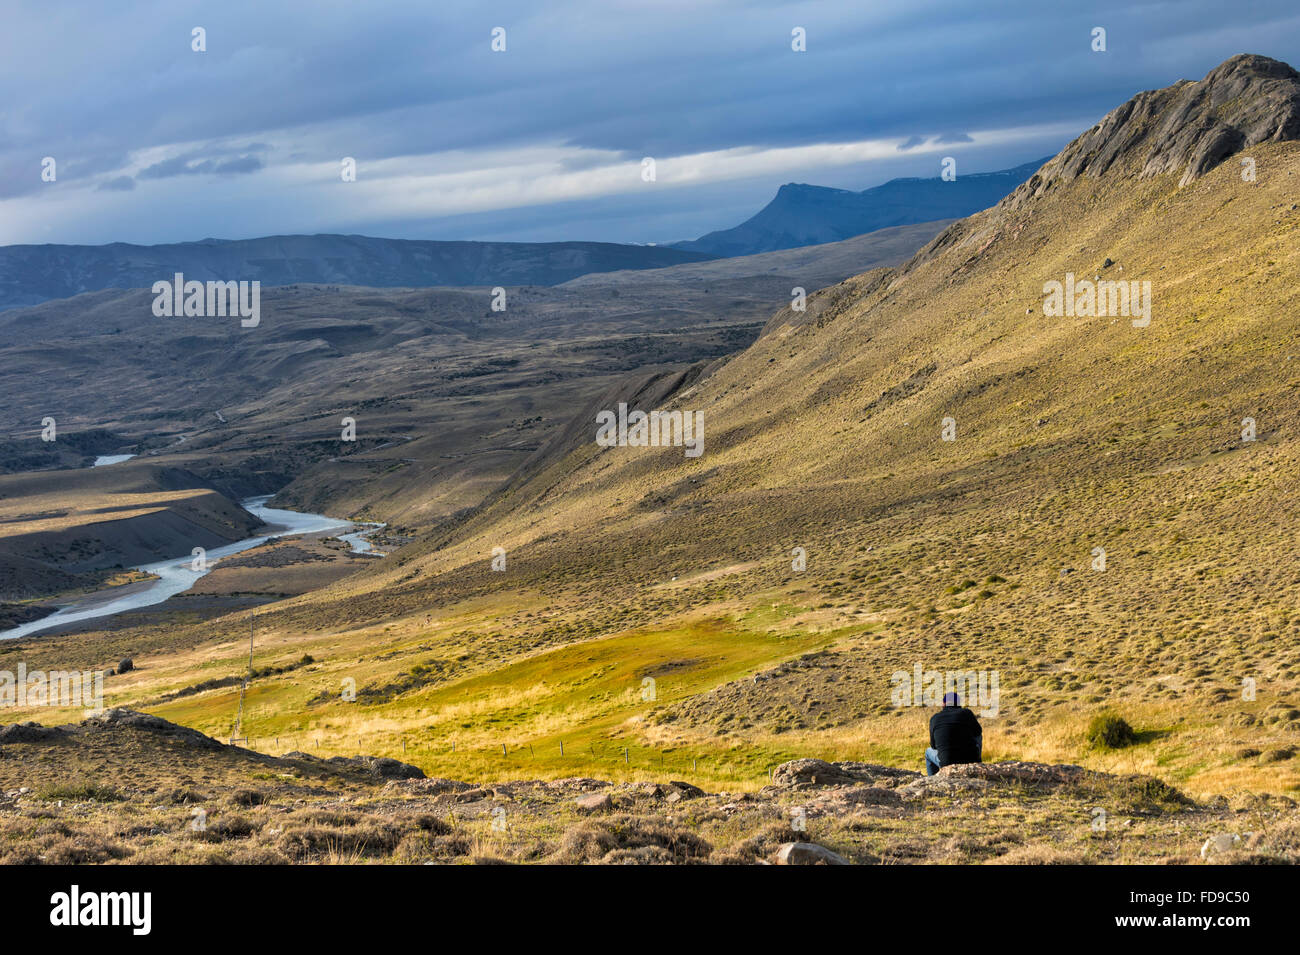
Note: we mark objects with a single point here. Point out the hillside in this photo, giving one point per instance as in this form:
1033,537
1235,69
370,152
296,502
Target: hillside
31,274
194,800
1070,435
801,214
449,396
810,266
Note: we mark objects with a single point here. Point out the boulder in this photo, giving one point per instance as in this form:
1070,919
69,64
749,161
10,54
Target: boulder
808,853
1223,842
595,802
381,767
677,791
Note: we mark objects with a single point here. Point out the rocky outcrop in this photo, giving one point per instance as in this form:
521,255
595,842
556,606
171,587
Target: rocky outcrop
119,719
1188,128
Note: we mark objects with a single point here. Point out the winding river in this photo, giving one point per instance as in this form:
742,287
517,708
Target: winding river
177,575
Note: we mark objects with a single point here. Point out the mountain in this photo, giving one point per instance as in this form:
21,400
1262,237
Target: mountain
31,274
809,215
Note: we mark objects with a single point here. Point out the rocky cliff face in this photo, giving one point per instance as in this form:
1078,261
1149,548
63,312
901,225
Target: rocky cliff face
1187,128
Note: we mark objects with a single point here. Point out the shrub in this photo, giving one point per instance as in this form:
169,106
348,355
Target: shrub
81,792
1110,731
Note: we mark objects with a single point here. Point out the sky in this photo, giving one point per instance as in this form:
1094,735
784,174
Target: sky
546,140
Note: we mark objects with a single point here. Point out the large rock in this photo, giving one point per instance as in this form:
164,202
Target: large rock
595,802
381,767
818,772
808,853
678,790
435,786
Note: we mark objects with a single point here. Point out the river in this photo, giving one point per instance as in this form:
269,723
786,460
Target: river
177,575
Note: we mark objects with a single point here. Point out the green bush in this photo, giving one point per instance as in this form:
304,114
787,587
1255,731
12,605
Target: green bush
1110,731
81,792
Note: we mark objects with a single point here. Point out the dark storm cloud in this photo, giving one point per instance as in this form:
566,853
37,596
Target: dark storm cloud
306,82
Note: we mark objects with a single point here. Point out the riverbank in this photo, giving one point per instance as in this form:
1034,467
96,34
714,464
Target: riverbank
177,575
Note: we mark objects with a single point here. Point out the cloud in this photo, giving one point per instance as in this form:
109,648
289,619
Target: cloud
184,166
711,88
117,184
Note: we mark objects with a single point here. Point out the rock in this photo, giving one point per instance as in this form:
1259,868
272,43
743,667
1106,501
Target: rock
595,802
1107,264
126,665
808,853
387,768
818,772
430,787
679,790
381,767
1187,128
1223,842
642,855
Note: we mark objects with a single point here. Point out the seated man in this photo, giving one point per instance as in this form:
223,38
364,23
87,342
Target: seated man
955,736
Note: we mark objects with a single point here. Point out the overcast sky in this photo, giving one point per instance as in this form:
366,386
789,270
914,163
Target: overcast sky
154,142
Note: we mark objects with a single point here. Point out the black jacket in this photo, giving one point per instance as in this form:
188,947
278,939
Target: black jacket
953,732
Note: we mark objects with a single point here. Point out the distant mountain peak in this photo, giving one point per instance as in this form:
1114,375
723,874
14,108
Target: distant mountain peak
801,214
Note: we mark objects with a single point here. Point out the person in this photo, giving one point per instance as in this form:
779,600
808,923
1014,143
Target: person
955,736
